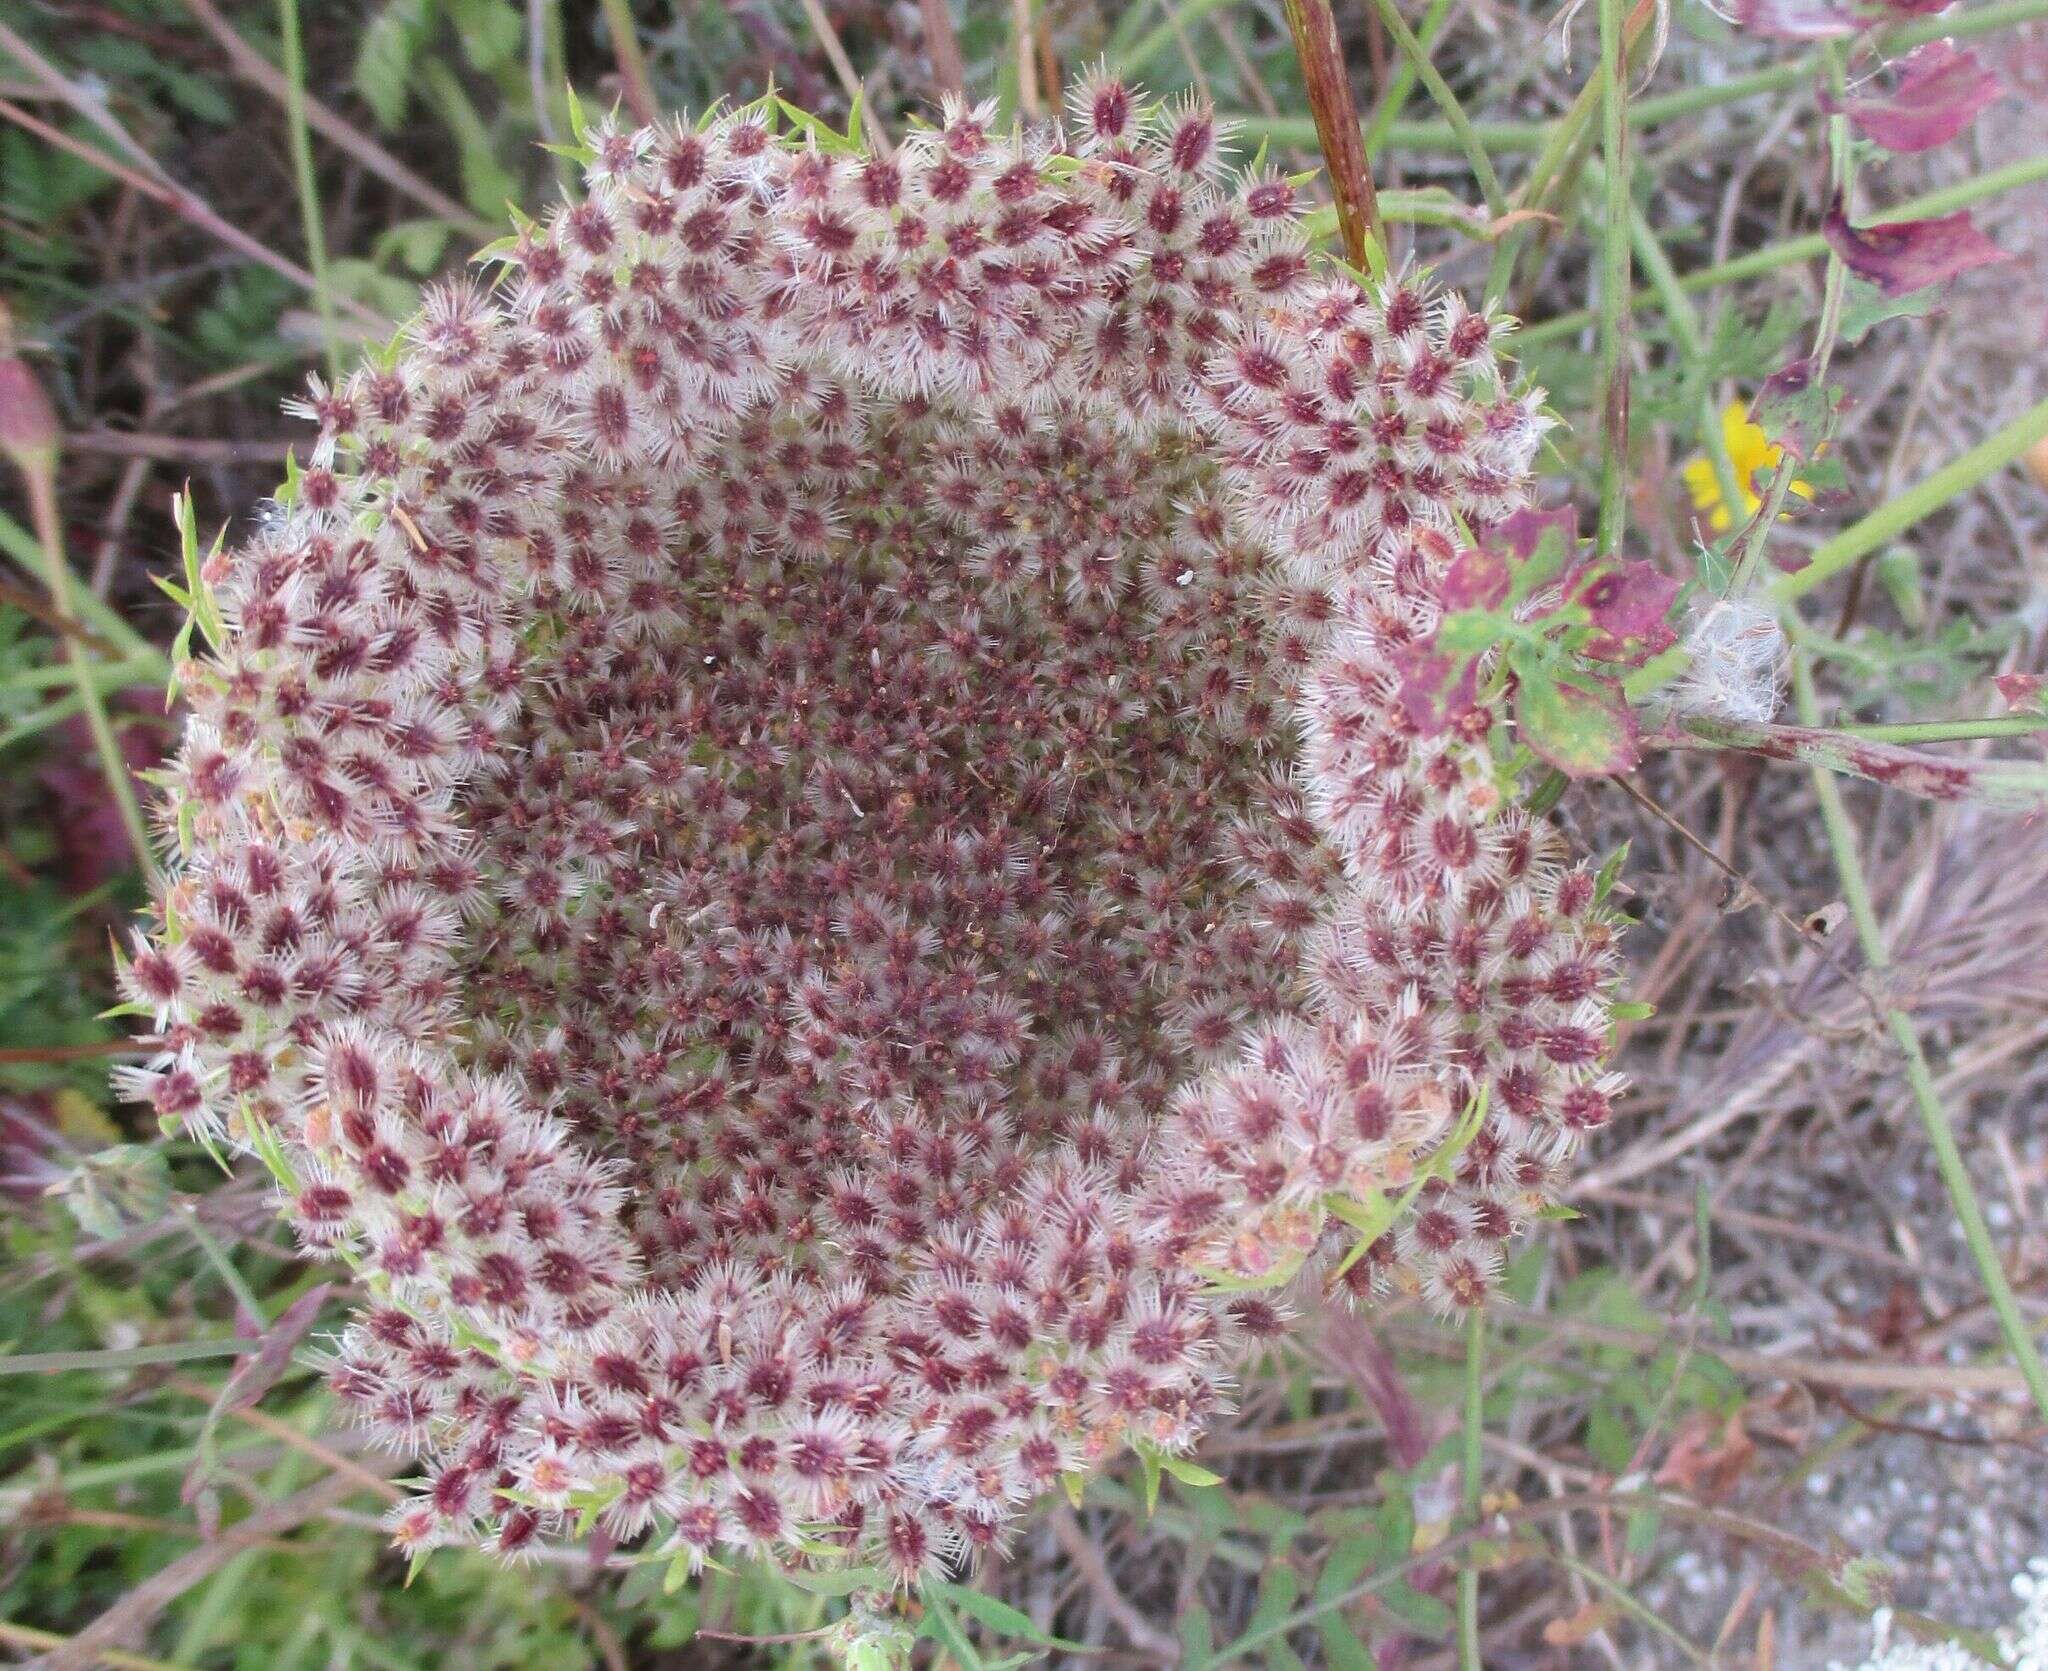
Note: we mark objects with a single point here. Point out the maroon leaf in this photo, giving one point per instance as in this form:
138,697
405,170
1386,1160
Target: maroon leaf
1437,688
1903,256
1521,533
1479,579
1942,89
256,1375
1795,412
1352,1345
1630,604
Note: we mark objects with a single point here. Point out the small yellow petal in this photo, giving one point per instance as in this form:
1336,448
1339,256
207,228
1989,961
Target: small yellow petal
1700,483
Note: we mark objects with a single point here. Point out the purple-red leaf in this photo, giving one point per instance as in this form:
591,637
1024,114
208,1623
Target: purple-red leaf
1794,412
1479,579
1942,89
1437,688
256,1375
1521,534
1903,256
1630,604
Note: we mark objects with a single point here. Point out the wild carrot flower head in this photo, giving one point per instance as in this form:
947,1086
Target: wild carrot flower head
801,839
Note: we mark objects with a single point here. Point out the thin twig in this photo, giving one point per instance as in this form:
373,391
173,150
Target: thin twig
632,62
129,1617
27,1636
1087,1558
1955,1175
181,203
849,77
18,597
179,449
251,66
942,46
1028,100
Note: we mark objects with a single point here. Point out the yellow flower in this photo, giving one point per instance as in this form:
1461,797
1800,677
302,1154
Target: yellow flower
1751,451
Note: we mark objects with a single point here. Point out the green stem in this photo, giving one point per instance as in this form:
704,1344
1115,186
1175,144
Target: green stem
1636,1610
224,1267
1614,284
132,1357
1948,1157
308,183
1795,250
1950,730
1416,56
1691,342
1895,516
40,477
1402,82
1842,181
1475,1426
93,611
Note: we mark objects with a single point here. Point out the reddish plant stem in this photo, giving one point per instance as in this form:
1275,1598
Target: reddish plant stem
1338,131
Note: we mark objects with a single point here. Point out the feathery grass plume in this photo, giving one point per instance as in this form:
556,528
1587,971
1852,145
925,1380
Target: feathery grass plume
801,840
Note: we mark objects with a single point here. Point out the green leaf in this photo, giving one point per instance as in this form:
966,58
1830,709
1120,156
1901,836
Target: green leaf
1578,722
1471,632
490,31
486,183
1865,307
1189,1473
943,1628
839,1581
1148,1467
999,1616
1423,1614
418,245
1226,1282
1640,683
384,61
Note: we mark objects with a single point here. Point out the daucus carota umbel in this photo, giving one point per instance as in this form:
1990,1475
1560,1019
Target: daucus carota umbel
801,837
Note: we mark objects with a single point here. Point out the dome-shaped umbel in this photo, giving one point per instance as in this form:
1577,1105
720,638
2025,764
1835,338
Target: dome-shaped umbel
801,842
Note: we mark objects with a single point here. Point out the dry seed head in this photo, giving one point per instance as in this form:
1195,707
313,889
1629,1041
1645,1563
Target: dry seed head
806,819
